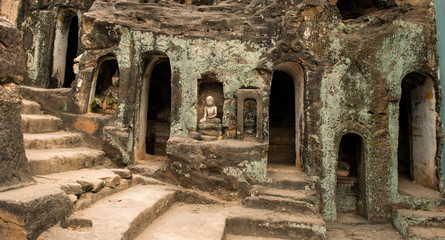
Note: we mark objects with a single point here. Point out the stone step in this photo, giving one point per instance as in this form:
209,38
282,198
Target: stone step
123,215
187,221
282,204
405,220
36,123
30,107
27,212
288,177
240,237
53,140
87,186
305,195
64,159
34,209
308,196
426,233
422,218
271,224
423,197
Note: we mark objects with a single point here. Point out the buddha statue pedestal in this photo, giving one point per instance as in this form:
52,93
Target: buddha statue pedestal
210,129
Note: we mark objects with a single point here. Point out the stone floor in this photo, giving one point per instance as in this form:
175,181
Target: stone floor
354,227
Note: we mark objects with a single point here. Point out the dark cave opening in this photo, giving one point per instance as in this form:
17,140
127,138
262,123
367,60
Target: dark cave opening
159,109
71,52
282,120
352,9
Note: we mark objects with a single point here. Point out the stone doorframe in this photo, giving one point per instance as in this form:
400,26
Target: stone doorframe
60,47
423,137
141,120
330,164
296,72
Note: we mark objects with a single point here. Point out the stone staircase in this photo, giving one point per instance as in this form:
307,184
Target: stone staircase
72,201
422,217
51,149
291,195
421,224
150,209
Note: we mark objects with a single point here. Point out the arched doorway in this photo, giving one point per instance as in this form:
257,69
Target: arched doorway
417,131
65,49
282,120
285,115
155,108
350,192
71,52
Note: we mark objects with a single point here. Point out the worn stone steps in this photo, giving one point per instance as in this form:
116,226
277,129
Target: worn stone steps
273,224
300,201
423,197
220,221
240,237
411,223
426,233
288,177
31,210
27,212
53,140
304,195
422,218
87,186
64,159
30,107
123,215
40,123
280,204
186,221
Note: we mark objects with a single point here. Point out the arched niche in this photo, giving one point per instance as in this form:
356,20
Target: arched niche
350,187
65,49
286,111
250,108
154,117
209,85
417,143
105,86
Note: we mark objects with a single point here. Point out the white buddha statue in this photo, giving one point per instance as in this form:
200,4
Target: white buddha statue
210,112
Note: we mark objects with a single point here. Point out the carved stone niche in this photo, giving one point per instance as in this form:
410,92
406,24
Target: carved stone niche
210,128
250,114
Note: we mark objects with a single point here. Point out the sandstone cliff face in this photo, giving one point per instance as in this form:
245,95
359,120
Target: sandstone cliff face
353,59
14,169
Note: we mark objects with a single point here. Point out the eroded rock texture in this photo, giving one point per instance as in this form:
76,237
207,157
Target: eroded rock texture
353,67
13,163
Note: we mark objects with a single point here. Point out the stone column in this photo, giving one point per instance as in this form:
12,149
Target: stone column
14,170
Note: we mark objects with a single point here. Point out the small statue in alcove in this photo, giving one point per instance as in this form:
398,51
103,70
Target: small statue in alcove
210,112
109,103
343,168
250,116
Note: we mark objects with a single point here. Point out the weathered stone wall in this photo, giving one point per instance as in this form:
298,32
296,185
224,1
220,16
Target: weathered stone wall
38,26
361,93
14,170
214,165
353,72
